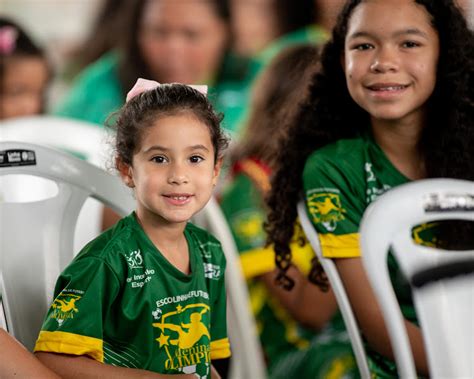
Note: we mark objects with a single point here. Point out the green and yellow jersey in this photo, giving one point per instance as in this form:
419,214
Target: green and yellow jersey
340,181
123,303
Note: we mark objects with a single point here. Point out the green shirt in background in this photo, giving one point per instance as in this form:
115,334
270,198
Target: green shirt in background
95,93
291,350
123,303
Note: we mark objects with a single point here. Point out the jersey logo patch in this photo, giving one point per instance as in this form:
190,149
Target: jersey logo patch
326,208
64,307
212,271
134,259
183,342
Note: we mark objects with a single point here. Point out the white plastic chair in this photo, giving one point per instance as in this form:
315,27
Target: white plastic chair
74,136
247,357
36,238
445,307
339,292
84,138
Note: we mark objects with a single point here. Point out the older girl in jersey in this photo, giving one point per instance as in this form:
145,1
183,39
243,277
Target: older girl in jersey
147,297
392,103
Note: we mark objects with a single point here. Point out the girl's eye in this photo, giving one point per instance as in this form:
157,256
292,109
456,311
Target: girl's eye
410,44
196,159
159,159
362,46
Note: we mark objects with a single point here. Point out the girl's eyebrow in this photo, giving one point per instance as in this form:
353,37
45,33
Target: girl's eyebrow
198,147
156,147
165,149
409,31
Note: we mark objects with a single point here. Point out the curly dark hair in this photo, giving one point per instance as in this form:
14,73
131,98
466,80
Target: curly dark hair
143,110
330,114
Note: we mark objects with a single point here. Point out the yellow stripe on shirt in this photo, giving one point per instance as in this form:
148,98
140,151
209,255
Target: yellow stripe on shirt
343,246
260,261
70,343
220,349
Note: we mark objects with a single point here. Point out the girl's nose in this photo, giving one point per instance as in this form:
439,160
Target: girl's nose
177,175
385,61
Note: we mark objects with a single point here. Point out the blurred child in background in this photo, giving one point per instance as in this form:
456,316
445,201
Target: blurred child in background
164,40
301,332
24,73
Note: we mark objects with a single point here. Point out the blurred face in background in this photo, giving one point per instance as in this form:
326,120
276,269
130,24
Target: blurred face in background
23,86
254,25
182,41
328,11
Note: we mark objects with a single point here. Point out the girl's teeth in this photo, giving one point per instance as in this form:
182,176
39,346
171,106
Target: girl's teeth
392,88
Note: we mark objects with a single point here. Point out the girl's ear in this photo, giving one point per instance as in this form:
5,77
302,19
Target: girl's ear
125,171
217,170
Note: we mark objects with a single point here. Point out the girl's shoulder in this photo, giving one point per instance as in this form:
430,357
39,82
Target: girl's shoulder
208,245
106,244
341,149
344,153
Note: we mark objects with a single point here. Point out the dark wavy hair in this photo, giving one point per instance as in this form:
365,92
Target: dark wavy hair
132,65
143,110
330,114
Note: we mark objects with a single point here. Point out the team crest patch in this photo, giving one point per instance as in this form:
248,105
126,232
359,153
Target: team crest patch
326,209
64,307
186,339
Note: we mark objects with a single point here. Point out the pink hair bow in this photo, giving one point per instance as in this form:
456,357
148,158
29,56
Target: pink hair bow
8,36
143,85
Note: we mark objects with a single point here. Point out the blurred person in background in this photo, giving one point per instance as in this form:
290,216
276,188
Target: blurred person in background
164,40
263,28
103,37
301,332
24,72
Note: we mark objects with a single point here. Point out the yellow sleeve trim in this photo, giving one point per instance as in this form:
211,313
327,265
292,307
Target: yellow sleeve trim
343,246
259,261
220,349
70,343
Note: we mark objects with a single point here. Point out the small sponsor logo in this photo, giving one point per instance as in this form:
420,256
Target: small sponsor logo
134,259
17,157
212,271
449,202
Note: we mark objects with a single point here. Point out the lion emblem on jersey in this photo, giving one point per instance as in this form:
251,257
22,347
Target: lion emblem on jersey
326,209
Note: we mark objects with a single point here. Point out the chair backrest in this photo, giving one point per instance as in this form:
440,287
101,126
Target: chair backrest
80,137
339,291
89,141
36,238
444,305
247,357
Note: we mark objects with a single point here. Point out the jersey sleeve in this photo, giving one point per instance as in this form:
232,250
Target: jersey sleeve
335,204
74,323
220,347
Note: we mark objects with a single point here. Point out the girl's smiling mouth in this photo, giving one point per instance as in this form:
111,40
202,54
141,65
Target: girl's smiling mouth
178,198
